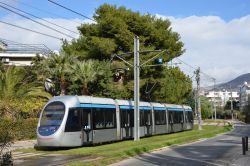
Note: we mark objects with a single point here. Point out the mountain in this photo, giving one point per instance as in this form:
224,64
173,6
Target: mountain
233,84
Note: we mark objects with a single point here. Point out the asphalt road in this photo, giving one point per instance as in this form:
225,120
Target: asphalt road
223,150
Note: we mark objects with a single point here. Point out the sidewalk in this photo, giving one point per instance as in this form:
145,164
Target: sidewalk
23,144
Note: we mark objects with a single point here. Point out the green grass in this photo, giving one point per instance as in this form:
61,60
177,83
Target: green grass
111,153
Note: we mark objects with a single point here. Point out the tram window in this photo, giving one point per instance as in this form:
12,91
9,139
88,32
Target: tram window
190,117
142,122
181,117
147,117
86,118
186,117
123,114
99,120
160,117
104,118
110,118
73,121
170,117
127,118
177,117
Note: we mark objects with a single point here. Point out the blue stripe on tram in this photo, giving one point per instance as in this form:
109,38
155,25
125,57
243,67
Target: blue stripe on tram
160,108
97,106
174,109
132,107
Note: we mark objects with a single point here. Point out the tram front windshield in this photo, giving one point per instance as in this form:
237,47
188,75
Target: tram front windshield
53,114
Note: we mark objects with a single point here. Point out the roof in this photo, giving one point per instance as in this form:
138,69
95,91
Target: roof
22,50
97,100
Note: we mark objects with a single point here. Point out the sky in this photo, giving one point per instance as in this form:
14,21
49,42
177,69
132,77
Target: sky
215,33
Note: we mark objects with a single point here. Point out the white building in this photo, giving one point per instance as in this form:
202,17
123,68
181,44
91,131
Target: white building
244,93
220,98
20,54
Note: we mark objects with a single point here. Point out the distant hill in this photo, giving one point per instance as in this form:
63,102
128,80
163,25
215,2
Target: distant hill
235,83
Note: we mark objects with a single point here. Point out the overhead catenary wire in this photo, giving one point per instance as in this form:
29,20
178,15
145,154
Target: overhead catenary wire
38,17
71,10
13,25
45,11
51,28
210,77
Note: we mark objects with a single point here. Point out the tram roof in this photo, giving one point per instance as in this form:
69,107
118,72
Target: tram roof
173,106
157,105
131,103
187,107
97,100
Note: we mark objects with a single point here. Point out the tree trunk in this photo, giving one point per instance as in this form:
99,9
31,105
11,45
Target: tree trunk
85,89
62,86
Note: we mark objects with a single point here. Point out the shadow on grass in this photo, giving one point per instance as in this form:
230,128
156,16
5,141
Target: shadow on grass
136,151
39,148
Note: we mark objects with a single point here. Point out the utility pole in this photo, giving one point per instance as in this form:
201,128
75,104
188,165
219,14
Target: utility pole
232,103
136,89
214,101
197,72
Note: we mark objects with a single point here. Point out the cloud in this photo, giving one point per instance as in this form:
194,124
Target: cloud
220,48
23,36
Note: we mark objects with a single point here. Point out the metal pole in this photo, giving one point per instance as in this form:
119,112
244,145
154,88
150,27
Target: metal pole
214,102
136,89
232,103
198,97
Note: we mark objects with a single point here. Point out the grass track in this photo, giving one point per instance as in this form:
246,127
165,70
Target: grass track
111,153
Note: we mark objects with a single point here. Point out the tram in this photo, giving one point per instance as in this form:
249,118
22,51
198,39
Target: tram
70,121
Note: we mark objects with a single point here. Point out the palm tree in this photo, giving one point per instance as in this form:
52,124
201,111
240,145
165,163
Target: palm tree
85,72
15,85
57,67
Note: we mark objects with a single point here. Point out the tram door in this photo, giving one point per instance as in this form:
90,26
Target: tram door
127,122
87,126
171,121
148,122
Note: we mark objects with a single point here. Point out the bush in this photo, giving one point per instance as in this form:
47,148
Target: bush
19,129
6,159
6,138
25,129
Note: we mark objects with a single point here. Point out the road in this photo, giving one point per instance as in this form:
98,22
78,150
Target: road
223,150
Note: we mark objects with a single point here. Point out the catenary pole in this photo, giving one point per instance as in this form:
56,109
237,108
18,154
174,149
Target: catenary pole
232,103
136,89
197,72
137,67
214,101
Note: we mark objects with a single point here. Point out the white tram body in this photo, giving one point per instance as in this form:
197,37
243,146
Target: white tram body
70,121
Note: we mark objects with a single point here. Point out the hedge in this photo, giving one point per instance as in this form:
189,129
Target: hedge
18,129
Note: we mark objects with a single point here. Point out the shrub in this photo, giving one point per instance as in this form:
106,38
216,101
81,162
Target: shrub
25,129
6,138
19,129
